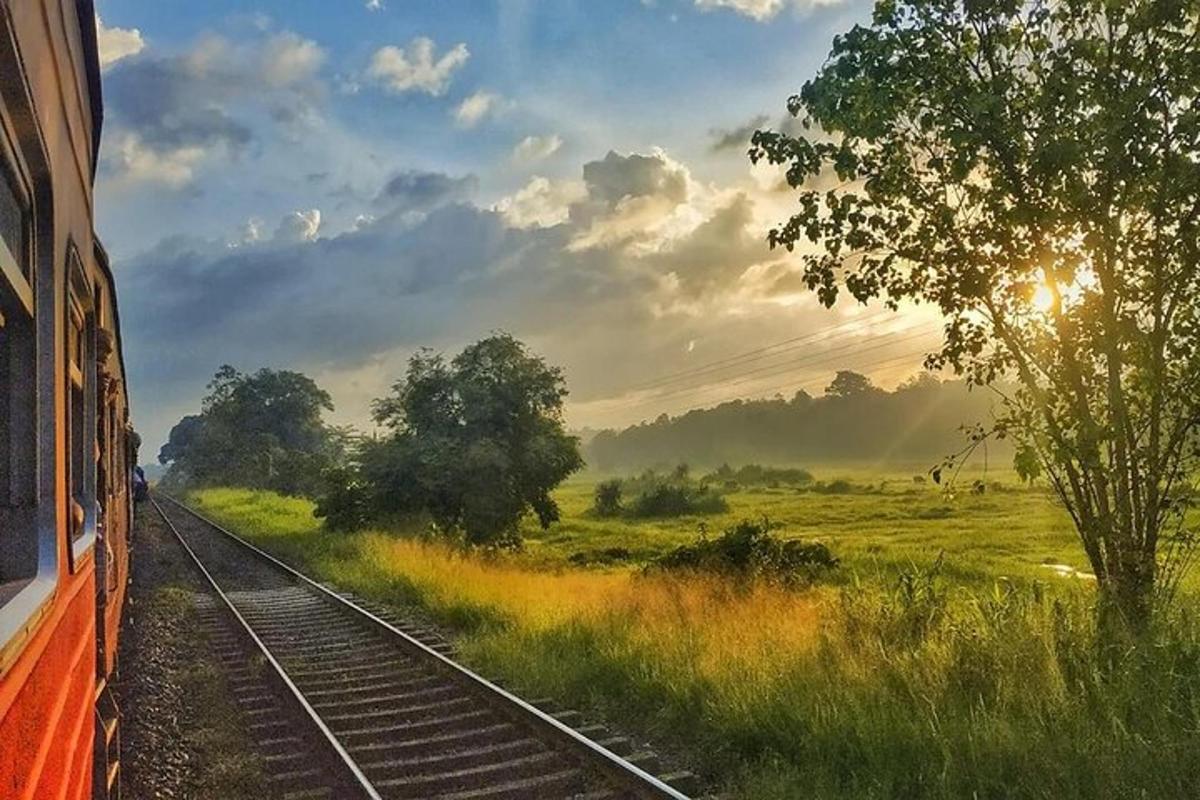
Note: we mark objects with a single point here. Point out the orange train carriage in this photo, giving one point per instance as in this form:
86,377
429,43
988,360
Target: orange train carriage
65,440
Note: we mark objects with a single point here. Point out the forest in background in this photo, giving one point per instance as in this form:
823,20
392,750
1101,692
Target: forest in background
920,421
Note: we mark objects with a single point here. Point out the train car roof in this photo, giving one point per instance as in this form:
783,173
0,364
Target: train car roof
86,12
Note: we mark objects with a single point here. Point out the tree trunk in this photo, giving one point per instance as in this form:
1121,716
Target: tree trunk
1126,599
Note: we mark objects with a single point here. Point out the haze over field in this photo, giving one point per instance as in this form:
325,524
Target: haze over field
326,187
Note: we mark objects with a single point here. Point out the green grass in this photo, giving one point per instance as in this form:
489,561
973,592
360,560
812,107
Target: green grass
983,680
1008,531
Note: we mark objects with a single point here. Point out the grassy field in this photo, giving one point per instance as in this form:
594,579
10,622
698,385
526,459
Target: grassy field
980,680
884,524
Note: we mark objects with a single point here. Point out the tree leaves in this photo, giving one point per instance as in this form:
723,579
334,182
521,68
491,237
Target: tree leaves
477,442
261,430
990,148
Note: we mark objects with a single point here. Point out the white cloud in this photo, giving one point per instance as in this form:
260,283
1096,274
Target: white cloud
763,10
288,60
374,5
416,67
135,162
634,200
541,203
299,226
670,260
168,116
249,233
117,43
535,148
471,111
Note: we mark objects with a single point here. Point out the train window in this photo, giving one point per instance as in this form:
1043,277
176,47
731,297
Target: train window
81,411
14,225
18,417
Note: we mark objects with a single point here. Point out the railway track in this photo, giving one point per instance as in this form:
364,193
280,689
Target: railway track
347,704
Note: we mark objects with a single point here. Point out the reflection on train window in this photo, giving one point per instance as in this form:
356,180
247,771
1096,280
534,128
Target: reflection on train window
18,444
14,223
78,453
105,403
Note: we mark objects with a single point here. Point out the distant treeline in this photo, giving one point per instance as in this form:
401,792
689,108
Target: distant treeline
921,420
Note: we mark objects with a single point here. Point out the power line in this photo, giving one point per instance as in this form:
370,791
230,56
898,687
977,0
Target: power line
816,383
760,353
804,362
796,386
895,362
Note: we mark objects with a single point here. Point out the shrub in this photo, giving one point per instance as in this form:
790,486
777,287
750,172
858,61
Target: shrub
838,486
345,504
758,475
608,498
656,494
750,550
675,500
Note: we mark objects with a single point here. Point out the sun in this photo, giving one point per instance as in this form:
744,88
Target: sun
1043,299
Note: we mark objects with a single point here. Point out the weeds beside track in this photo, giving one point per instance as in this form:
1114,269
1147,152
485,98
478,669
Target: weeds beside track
394,717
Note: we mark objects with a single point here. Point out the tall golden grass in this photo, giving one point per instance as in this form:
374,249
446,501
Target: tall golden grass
916,688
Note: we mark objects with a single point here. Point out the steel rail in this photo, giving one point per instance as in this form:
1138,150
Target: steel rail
626,775
352,774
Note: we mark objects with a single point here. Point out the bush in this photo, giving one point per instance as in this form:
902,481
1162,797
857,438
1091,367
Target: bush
838,486
758,475
657,494
608,498
676,500
750,550
345,504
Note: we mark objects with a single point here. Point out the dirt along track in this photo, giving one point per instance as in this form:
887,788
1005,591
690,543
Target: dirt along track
392,716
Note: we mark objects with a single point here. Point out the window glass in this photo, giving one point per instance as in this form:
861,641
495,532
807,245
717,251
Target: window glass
18,444
79,454
14,222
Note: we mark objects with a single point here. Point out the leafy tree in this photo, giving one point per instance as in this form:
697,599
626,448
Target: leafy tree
262,430
848,383
477,442
181,438
608,498
921,382
345,503
1031,168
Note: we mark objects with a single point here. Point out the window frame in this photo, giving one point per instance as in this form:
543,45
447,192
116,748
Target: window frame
80,306
18,318
23,157
10,269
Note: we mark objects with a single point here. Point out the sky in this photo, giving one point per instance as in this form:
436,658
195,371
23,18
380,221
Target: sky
329,185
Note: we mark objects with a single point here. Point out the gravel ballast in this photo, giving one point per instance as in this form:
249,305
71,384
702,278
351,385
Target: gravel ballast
181,733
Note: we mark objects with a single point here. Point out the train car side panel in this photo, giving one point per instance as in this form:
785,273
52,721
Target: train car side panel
47,686
63,493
